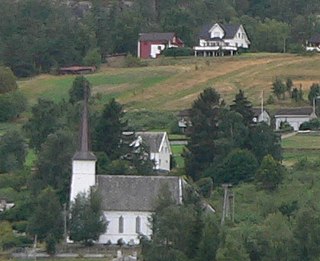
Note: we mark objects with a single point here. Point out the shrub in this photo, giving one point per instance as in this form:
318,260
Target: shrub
173,52
11,105
132,61
313,124
270,173
92,58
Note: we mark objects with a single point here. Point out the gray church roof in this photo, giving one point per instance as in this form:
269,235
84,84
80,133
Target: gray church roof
135,193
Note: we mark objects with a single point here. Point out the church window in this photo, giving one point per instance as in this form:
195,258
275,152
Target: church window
138,225
121,224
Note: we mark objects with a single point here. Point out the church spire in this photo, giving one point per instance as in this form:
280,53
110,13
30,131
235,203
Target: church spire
84,153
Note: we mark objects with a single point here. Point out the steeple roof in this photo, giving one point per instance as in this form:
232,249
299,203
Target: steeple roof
84,153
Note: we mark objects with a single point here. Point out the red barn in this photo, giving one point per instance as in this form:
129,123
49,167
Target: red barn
150,45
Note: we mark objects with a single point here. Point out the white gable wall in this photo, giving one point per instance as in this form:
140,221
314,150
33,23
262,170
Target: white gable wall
83,177
216,31
240,39
129,233
294,121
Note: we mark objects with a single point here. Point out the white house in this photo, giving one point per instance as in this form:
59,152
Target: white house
294,116
261,116
159,148
220,40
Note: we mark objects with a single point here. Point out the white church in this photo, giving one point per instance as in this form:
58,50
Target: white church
127,201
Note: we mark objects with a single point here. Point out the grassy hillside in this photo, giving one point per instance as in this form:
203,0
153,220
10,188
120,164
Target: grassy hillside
173,83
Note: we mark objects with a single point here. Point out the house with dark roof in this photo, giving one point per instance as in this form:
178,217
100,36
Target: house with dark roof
313,44
221,39
294,116
127,201
150,45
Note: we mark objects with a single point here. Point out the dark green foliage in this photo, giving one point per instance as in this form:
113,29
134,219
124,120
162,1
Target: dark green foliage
176,229
7,80
279,88
289,85
314,92
44,120
12,151
174,52
202,147
11,105
242,106
86,222
108,131
239,165
263,141
46,220
313,124
76,93
285,126
270,174
54,168
92,58
205,186
306,234
297,95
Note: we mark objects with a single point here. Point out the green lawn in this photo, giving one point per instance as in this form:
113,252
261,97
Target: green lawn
301,146
302,141
177,155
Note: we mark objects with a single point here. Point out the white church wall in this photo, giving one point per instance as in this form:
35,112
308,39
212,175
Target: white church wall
83,177
129,232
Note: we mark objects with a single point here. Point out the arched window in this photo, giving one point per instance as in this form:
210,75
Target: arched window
138,225
121,224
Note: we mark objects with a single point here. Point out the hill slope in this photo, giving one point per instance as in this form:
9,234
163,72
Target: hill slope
174,85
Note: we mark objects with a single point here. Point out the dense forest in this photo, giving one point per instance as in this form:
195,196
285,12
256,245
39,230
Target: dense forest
40,36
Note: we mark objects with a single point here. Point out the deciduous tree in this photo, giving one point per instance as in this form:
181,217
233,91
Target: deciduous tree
87,222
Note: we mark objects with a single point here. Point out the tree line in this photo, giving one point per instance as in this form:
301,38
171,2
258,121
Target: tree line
41,36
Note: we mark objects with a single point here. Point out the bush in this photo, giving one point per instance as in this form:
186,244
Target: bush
132,61
7,80
205,186
173,52
313,124
93,58
285,126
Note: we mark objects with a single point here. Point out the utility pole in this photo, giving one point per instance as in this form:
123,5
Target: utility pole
228,204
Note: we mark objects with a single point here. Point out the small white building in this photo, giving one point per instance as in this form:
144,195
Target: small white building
261,116
294,116
159,148
313,44
220,40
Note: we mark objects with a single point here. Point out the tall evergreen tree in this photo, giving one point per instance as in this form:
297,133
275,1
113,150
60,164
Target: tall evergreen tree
242,106
108,131
204,117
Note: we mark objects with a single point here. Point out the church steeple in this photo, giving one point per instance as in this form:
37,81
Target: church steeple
83,161
84,153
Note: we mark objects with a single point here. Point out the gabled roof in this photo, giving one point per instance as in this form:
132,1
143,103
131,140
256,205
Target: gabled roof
135,193
156,36
152,139
298,111
257,111
229,30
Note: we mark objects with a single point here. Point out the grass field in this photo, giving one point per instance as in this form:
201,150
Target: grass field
173,84
301,146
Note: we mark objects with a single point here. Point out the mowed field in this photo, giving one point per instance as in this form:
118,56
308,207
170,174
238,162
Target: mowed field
173,83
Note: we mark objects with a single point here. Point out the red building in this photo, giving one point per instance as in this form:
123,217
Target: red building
150,45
